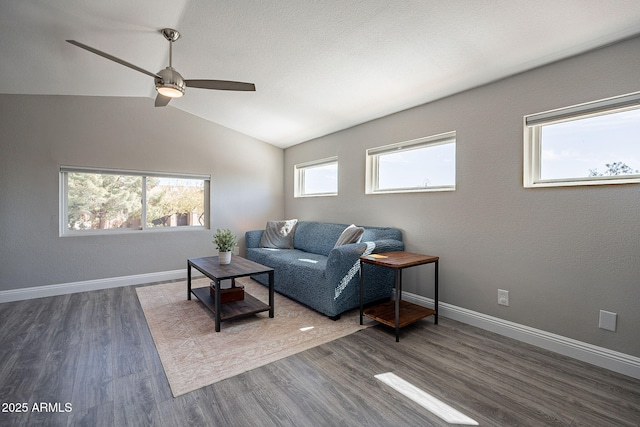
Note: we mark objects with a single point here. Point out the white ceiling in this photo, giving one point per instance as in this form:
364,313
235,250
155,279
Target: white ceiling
319,65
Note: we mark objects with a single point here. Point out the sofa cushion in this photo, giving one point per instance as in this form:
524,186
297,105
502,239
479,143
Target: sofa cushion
299,266
381,233
317,237
279,234
351,234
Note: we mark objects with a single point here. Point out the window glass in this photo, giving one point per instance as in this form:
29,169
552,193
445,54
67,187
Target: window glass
321,179
425,164
175,202
317,178
590,144
604,145
424,167
98,200
103,201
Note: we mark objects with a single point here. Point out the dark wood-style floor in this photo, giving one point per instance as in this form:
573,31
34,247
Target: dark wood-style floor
94,351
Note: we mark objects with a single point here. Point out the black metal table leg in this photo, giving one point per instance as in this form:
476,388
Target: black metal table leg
271,302
361,291
398,296
188,281
435,316
218,305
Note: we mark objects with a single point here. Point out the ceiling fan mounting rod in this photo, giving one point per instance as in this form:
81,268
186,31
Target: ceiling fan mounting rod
171,54
171,35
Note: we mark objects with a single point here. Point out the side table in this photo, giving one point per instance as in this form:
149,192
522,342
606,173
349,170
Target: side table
398,313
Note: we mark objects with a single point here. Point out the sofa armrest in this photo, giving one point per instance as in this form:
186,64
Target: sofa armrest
388,245
347,255
343,264
252,238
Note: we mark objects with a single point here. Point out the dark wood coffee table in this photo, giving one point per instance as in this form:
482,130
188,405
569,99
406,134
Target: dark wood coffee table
239,267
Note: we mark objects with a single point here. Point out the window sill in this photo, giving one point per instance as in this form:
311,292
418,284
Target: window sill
130,231
413,190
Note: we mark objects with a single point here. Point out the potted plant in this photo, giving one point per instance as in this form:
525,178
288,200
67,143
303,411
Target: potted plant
225,241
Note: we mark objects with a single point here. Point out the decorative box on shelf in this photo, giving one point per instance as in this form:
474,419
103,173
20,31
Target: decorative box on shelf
234,293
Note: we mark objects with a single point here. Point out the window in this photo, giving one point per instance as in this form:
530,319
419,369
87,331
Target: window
317,178
425,164
107,201
588,144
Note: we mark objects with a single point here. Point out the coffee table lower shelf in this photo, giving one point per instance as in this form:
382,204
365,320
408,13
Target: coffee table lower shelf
385,313
233,309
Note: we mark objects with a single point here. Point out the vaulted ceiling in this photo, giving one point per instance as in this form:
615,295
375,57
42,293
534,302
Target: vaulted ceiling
319,66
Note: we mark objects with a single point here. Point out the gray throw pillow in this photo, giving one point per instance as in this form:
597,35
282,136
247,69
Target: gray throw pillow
279,234
351,234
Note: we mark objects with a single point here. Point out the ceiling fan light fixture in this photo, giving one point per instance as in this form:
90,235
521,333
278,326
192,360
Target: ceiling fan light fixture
170,91
170,83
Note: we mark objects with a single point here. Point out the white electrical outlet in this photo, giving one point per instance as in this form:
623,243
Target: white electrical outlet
608,320
503,297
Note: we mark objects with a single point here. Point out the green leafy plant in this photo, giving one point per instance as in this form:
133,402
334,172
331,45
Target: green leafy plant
224,240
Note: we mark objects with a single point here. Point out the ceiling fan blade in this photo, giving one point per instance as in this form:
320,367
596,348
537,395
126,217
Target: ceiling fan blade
162,100
113,58
220,85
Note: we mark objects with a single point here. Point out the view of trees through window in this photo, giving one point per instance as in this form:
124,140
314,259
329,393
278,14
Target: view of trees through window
615,169
174,202
98,201
599,145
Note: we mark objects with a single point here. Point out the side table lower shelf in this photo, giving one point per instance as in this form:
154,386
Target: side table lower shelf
233,309
385,313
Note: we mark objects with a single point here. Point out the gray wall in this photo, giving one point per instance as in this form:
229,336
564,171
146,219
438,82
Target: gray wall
40,133
562,253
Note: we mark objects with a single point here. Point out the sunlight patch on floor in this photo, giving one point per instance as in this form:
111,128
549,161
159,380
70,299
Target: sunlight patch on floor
424,399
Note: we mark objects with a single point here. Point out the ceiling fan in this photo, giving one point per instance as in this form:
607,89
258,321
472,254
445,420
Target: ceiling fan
169,83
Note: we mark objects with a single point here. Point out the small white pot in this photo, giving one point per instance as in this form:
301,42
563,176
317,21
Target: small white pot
224,257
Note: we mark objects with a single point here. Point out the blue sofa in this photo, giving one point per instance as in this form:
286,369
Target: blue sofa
322,277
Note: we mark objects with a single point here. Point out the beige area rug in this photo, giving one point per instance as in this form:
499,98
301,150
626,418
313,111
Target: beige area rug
194,355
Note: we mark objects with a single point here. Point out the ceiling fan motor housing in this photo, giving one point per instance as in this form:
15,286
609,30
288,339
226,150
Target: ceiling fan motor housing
170,83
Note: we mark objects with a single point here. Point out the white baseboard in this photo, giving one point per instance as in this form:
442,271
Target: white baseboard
599,356
90,285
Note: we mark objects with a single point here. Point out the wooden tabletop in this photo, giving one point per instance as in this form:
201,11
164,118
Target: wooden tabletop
239,267
399,259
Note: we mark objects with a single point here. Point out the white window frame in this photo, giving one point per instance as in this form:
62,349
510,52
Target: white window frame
299,177
533,123
64,201
372,163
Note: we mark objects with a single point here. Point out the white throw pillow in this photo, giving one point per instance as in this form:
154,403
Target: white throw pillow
279,234
351,234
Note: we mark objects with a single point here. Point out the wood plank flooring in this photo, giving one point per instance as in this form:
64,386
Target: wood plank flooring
94,351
